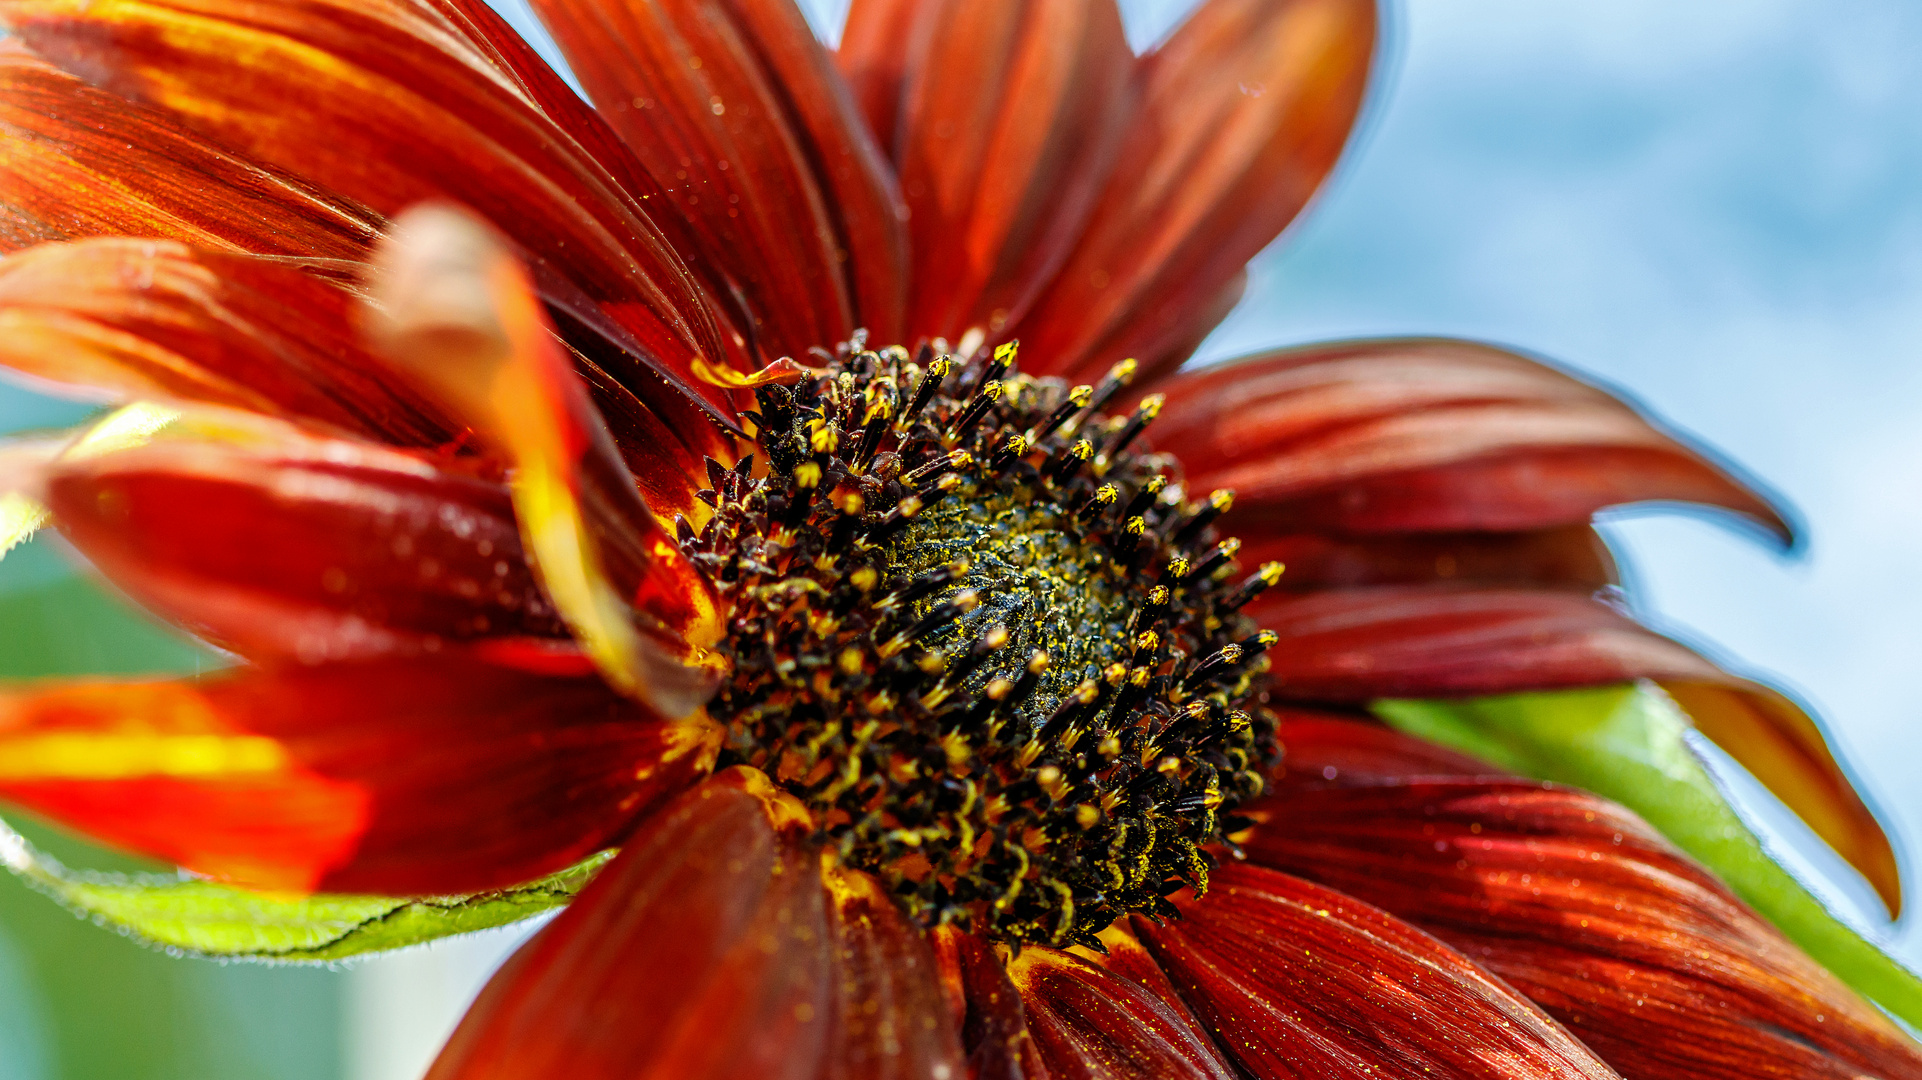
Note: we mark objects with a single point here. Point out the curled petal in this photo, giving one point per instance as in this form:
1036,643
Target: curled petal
158,320
1579,904
1092,1025
1361,644
1012,113
459,317
1244,111
734,110
387,104
413,777
306,550
1427,435
1572,556
76,161
1296,980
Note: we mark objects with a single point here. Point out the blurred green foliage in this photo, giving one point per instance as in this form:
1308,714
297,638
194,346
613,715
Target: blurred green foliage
79,1002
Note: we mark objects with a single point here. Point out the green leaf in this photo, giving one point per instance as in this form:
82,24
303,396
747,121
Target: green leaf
209,919
1629,743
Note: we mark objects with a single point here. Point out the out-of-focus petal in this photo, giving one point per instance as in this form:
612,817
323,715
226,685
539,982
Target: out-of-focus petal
1572,556
76,161
389,103
1422,435
156,319
306,549
987,1008
890,1021
735,110
1579,904
873,55
458,315
1296,980
1244,111
1011,116
421,776
706,949
1781,745
1093,1025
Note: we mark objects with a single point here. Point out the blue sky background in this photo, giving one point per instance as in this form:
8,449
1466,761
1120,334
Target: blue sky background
1715,206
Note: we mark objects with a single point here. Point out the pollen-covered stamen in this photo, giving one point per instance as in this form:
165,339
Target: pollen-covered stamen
977,631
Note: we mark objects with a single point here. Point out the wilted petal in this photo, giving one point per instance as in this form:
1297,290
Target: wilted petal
1577,903
1093,1025
1011,115
390,103
422,776
736,113
76,161
1426,435
1243,112
158,320
305,549
1572,556
1295,980
704,950
458,315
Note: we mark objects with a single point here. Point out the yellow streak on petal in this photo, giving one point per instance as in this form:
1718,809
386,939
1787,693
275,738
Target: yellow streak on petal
125,428
117,756
20,518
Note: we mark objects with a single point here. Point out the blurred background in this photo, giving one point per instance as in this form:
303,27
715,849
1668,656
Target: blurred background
1715,207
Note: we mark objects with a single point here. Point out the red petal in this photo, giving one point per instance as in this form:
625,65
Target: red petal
323,550
890,1018
1244,111
159,320
735,111
423,776
1453,641
1579,904
1571,556
77,162
1419,434
700,951
1446,641
1295,980
388,104
1092,1025
873,57
1333,749
993,1023
1012,113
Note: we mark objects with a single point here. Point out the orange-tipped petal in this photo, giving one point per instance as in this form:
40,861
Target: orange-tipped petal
704,950
1296,980
1012,114
76,161
1093,1025
1425,435
1244,111
1781,745
736,113
159,320
1572,900
423,776
387,104
458,315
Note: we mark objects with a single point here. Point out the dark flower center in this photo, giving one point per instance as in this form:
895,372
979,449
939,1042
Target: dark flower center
985,638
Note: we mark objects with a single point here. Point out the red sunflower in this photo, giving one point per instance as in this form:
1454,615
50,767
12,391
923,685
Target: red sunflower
691,496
